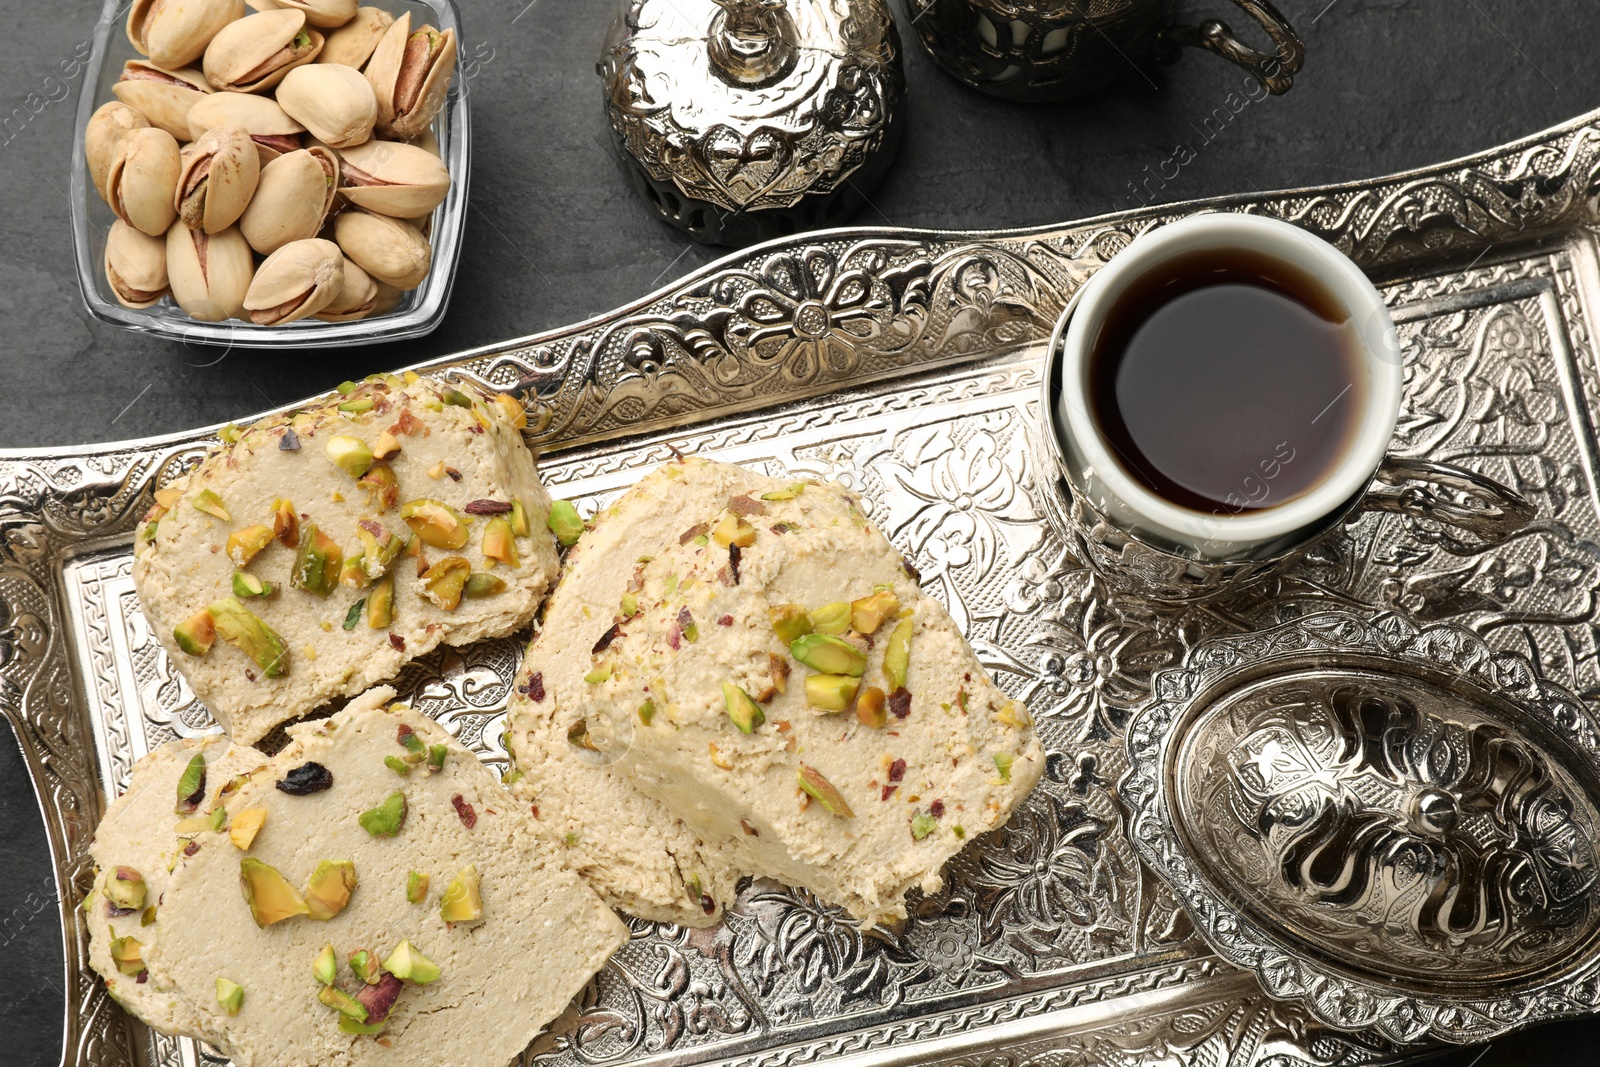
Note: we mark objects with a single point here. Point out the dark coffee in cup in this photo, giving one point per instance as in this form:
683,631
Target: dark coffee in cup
1228,381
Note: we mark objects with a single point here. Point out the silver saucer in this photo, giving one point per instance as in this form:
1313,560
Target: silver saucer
1396,826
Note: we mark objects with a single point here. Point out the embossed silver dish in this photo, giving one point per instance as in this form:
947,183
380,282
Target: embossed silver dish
1397,826
907,364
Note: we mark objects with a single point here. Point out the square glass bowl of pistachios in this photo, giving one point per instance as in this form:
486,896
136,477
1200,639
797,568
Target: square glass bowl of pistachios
271,173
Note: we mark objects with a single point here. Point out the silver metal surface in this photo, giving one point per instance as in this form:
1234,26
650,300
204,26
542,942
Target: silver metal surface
1397,825
918,386
743,120
1050,50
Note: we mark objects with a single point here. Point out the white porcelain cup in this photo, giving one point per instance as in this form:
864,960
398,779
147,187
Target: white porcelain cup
1089,460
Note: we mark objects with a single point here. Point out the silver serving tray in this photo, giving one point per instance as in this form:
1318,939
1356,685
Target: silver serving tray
906,364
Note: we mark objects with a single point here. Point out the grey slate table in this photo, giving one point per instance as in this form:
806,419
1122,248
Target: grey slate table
554,235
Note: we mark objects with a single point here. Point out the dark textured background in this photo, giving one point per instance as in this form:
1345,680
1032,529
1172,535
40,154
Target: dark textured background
554,235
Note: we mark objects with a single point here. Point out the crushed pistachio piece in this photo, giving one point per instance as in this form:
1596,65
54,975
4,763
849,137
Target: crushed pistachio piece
647,712
831,618
445,582
564,522
125,889
463,899
196,634
733,530
191,786
285,523
230,995
831,692
128,954
343,1003
268,893
397,765
822,791
410,965
897,654
438,524
364,965
244,630
500,543
480,585
207,501
519,519
317,563
417,887
380,603
871,707
325,968
350,454
829,655
245,826
245,584
386,819
745,713
1002,763
353,616
243,544
790,622
787,493
922,824
869,613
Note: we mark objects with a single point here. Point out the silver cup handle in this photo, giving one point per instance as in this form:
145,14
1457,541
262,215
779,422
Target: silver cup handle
1275,69
1484,507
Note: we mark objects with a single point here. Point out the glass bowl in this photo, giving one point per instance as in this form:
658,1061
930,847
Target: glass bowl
419,311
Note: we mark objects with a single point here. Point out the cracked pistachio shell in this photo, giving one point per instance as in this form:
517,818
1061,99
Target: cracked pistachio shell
393,178
103,134
268,125
164,97
297,280
391,250
323,14
143,179
292,199
209,273
352,43
136,266
220,173
254,53
358,295
410,74
387,299
175,33
333,101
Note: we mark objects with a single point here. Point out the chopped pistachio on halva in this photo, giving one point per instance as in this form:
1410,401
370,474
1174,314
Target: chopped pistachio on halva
172,796
630,847
341,959
774,674
315,554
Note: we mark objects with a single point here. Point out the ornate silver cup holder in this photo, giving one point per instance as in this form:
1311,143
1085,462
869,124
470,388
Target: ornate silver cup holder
1397,826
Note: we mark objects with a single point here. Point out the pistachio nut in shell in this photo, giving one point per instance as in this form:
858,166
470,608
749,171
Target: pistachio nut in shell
102,135
410,75
292,199
333,101
358,296
253,54
143,179
164,97
220,172
391,250
352,43
136,266
263,5
297,280
387,299
175,33
393,178
208,273
268,125
323,14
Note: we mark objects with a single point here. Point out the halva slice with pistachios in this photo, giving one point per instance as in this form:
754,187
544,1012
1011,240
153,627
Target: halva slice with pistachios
635,852
316,553
174,793
396,906
776,675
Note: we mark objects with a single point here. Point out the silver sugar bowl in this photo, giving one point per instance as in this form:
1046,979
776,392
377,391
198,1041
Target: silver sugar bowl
1044,50
743,120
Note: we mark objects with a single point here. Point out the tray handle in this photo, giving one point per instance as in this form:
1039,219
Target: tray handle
1275,69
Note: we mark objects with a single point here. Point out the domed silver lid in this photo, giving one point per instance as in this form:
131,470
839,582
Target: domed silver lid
1396,826
747,119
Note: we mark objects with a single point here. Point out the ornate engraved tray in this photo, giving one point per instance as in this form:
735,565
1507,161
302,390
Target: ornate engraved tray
906,364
